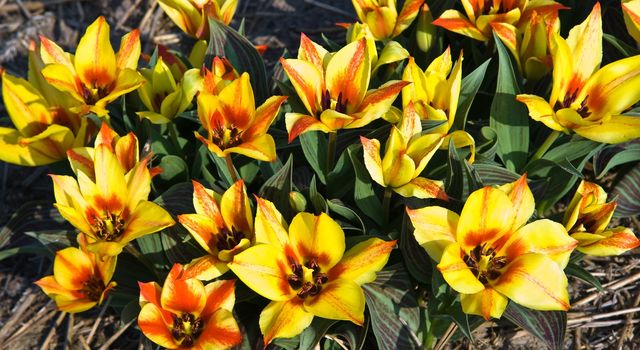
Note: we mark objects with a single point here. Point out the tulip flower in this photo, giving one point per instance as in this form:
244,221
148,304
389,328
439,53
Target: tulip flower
586,99
480,16
186,314
434,93
383,17
108,203
336,97
489,253
96,75
233,123
631,13
223,227
192,15
406,155
587,218
80,279
306,272
163,97
392,51
220,76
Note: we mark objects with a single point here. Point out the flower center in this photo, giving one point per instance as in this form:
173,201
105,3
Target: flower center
92,95
93,288
307,280
226,137
484,264
186,329
569,99
339,105
109,228
228,239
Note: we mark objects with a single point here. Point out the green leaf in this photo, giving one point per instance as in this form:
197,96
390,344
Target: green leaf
548,326
33,216
55,240
620,45
277,188
355,335
174,170
336,206
223,170
312,335
626,192
576,270
226,42
7,253
317,200
614,155
314,146
415,257
364,195
393,306
462,178
470,86
509,118
339,179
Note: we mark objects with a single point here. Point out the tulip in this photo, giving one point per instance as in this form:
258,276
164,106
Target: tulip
383,17
192,15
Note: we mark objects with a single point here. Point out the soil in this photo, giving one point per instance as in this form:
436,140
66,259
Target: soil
29,320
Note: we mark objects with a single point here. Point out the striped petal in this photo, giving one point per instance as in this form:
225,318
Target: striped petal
487,215
360,263
610,242
372,160
540,110
543,237
307,80
422,188
487,303
298,124
339,299
284,319
348,73
319,237
236,209
270,226
522,199
153,326
181,294
221,331
95,62
585,43
264,268
434,229
456,272
616,129
456,22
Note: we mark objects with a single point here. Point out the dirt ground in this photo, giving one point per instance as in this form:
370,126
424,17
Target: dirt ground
28,319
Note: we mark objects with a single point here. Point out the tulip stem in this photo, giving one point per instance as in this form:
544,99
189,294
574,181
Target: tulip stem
232,170
544,147
386,203
173,133
331,151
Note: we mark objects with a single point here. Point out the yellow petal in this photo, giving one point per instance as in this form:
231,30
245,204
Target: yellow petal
72,268
262,147
236,209
456,272
523,202
585,43
360,263
587,194
458,23
461,139
206,268
339,299
63,79
220,295
348,73
51,53
540,110
153,327
110,180
284,319
264,117
335,120
186,16
487,215
536,282
202,228
631,13
95,61
434,229
221,331
422,148
27,108
617,129
127,81
422,188
406,16
205,203
298,124
392,52
129,52
372,159
398,168
146,218
44,148
317,237
270,226
237,103
307,80
543,237
381,21
312,52
487,303
611,242
377,102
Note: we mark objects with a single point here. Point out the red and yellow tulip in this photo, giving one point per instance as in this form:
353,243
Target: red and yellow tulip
406,155
481,15
489,253
223,226
392,51
96,75
45,126
631,13
233,123
192,15
108,201
186,314
383,18
586,99
80,279
306,272
336,97
220,76
434,93
587,218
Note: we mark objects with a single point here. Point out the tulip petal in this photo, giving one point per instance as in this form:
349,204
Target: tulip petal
153,326
617,129
435,229
585,43
284,319
361,262
456,22
540,110
237,103
72,267
236,209
610,242
220,295
348,73
319,237
206,268
406,16
298,124
264,269
522,199
146,218
50,287
312,52
181,294
422,188
262,148
339,299
264,117
372,160
487,303
536,282
487,215
28,109
456,272
221,331
307,80
270,226
44,148
63,79
202,228
334,120
128,80
129,52
376,103
95,61
542,237
51,53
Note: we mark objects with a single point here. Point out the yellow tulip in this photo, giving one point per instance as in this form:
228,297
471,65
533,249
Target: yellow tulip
192,15
383,18
233,123
185,314
406,155
631,13
434,94
108,201
223,226
96,75
586,99
587,218
489,253
306,272
336,97
80,279
480,16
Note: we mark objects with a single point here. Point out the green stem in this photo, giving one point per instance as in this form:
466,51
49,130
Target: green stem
544,147
331,151
232,170
173,133
386,203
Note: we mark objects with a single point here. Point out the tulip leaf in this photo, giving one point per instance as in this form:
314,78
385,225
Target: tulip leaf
25,249
620,45
226,42
462,179
174,170
314,147
339,179
395,314
55,240
312,335
354,335
470,86
509,118
336,206
548,326
626,192
487,146
415,257
277,188
578,271
33,216
317,200
615,155
364,195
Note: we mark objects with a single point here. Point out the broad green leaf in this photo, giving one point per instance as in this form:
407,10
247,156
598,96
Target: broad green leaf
277,188
626,191
509,118
174,170
462,179
578,271
31,217
28,249
55,240
364,195
470,86
339,179
620,45
614,155
316,199
415,257
311,336
548,326
336,206
314,147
